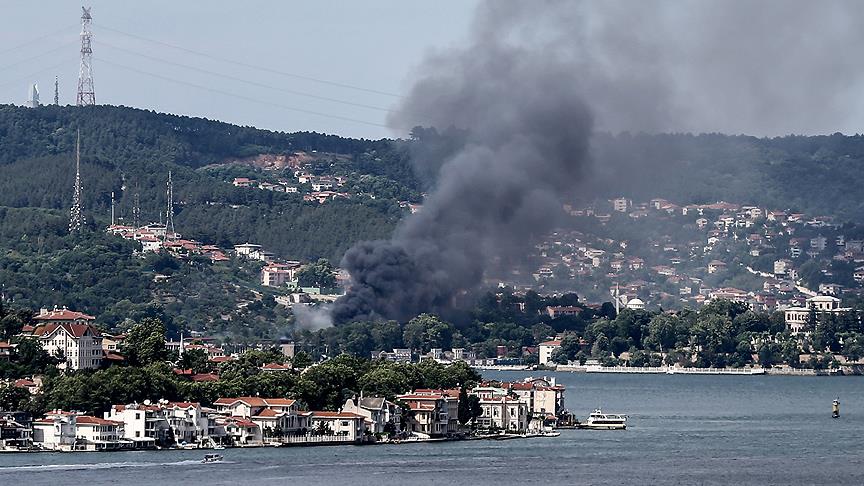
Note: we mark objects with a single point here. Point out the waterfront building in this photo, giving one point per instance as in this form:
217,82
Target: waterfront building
143,424
277,416
382,416
797,317
241,431
503,413
97,434
55,431
15,431
433,412
546,350
347,425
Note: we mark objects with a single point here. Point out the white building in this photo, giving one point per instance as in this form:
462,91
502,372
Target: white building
97,434
797,317
350,426
504,413
621,204
278,274
68,333
275,416
56,431
433,412
382,416
636,304
143,424
546,349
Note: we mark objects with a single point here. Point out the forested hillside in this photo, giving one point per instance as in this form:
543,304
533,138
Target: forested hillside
128,151
812,174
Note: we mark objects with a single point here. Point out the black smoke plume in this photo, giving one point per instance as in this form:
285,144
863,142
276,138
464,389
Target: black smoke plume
527,140
520,88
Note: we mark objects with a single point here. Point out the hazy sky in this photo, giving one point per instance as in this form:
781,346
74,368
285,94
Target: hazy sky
366,44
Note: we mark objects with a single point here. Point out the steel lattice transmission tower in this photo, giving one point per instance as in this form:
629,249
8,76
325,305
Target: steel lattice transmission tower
169,214
76,215
86,95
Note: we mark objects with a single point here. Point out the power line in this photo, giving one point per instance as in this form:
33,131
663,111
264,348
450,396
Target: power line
242,97
30,76
37,39
253,83
252,66
37,56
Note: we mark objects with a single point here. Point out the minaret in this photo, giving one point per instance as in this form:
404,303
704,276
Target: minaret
76,216
112,208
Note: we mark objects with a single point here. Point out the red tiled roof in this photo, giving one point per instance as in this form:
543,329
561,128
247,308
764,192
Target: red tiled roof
88,420
267,412
184,404
22,383
551,343
256,401
74,330
242,422
275,366
63,315
205,377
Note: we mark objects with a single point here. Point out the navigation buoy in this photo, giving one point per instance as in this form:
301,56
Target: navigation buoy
835,408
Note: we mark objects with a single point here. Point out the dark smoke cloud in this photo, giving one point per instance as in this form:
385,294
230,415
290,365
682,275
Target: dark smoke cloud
768,67
531,83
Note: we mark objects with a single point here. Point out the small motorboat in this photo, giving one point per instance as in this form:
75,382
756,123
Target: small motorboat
598,420
208,458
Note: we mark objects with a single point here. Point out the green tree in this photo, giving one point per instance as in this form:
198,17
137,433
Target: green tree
145,343
13,397
319,274
469,406
196,360
427,331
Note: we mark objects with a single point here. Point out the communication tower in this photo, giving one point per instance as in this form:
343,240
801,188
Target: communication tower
76,215
169,214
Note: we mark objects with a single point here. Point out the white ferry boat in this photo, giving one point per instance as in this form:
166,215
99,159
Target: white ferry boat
604,421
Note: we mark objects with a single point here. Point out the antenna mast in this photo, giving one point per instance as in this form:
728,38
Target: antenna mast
86,95
136,210
76,216
56,90
169,215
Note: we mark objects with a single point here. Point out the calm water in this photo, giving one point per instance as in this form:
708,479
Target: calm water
682,430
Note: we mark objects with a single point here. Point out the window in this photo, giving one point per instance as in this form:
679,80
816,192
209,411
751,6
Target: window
137,433
344,423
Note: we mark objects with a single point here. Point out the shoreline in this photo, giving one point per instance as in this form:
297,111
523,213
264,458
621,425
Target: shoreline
273,445
856,370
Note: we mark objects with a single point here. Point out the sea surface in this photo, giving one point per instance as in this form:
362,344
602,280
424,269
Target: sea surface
683,429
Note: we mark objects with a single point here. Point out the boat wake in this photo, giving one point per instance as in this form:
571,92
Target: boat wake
84,467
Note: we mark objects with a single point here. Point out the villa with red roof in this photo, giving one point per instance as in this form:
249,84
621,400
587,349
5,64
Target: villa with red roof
274,416
70,334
